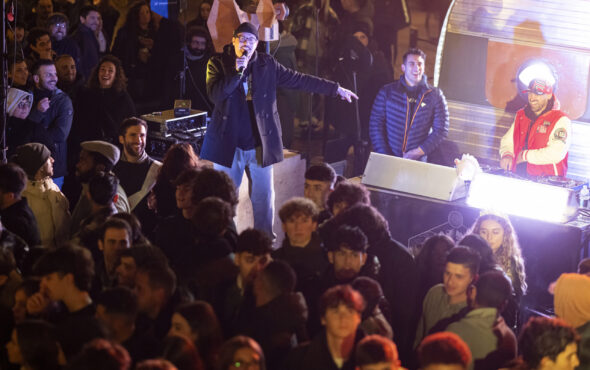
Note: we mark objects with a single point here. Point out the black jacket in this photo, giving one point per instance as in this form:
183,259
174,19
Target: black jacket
68,46
19,219
89,49
225,91
57,121
98,114
315,355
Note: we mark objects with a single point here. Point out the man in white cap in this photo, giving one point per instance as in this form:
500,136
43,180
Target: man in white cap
49,205
538,141
245,130
95,156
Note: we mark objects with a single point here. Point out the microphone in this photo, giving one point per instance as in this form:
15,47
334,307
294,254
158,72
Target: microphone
242,68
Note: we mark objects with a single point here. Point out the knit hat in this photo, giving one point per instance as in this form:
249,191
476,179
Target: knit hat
31,157
14,97
571,299
248,28
539,87
107,150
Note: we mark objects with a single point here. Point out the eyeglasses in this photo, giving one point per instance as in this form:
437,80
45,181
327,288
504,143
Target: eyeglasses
249,40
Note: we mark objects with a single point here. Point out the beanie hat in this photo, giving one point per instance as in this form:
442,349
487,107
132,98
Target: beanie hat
248,28
31,157
107,150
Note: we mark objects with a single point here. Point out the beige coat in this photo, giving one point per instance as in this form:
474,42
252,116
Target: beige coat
51,209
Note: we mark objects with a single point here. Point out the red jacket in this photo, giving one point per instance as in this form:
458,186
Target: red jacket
548,142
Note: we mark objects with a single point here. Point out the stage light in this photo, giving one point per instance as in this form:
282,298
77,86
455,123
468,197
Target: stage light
522,198
535,69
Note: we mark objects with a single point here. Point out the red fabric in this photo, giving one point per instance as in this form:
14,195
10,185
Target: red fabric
539,137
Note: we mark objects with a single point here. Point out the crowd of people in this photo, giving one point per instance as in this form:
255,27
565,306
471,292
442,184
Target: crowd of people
96,288
111,259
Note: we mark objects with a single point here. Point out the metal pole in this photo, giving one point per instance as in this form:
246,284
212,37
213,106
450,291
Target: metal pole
4,87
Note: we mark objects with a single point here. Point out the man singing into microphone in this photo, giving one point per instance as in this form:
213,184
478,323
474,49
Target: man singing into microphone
245,130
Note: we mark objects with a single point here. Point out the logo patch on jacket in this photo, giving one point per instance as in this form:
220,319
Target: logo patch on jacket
560,134
542,129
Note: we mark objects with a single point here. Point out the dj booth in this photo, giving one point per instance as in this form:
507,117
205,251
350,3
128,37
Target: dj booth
549,248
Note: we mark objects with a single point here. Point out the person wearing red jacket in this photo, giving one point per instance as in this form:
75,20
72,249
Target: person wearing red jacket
538,141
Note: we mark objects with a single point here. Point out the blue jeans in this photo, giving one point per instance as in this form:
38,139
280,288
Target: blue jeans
262,192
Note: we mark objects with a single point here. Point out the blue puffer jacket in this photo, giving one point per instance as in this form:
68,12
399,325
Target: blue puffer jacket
394,130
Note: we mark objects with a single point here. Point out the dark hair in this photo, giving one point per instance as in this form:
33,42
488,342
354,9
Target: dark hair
487,260
212,216
341,294
349,237
375,349
29,286
231,346
68,259
144,255
584,266
115,223
254,241
100,354
16,59
210,182
120,82
57,17
137,236
12,179
119,301
160,276
298,205
203,321
198,31
280,277
424,255
178,158
186,177
350,193
129,122
443,348
7,261
63,56
132,20
38,343
372,293
181,352
102,188
41,63
466,257
413,51
493,289
35,34
364,216
542,336
85,10
321,172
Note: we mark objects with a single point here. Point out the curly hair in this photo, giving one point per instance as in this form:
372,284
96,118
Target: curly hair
509,255
132,20
120,83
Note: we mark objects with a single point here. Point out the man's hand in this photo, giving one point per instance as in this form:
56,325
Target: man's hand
506,163
346,94
43,105
242,62
415,153
37,303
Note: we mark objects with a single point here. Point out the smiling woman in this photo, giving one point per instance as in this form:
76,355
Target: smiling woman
103,104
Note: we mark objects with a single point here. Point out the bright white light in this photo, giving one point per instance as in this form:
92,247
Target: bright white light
520,198
538,70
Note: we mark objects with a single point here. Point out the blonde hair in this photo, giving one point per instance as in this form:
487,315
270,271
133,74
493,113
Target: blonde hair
509,255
